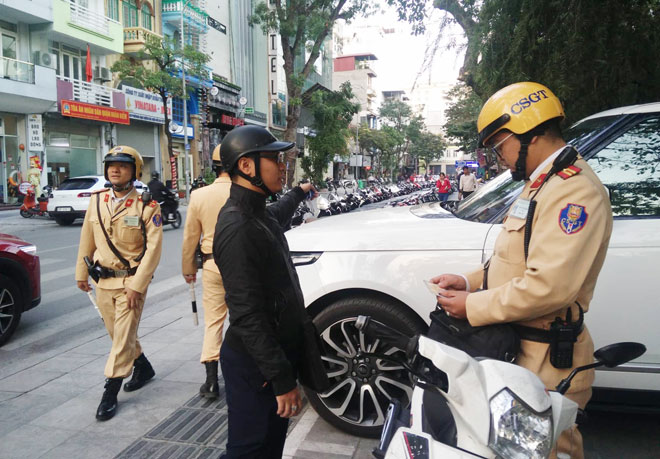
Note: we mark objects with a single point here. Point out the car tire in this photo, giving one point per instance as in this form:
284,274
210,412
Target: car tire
11,308
64,221
361,387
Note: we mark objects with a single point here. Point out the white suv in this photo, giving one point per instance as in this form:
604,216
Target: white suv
374,263
70,200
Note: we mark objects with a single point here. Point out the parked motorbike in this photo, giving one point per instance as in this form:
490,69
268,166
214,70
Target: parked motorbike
463,407
173,217
32,207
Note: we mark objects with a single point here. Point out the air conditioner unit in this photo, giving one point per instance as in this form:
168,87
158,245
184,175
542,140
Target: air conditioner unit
102,73
45,59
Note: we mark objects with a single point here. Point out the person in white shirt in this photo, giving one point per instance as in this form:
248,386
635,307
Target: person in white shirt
468,183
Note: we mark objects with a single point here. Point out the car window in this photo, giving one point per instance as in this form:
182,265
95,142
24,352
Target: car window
77,184
630,167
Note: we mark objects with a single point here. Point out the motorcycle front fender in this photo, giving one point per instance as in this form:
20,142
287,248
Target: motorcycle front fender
401,445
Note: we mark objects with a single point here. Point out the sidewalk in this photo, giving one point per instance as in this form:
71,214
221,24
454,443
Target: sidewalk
51,382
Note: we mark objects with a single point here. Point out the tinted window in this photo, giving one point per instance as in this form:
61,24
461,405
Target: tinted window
630,168
77,184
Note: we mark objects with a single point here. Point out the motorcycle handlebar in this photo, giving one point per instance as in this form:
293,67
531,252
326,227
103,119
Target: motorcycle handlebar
380,331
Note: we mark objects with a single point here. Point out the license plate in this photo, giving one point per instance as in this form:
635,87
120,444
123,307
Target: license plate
64,209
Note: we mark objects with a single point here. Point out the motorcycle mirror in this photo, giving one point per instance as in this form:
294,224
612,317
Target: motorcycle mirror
615,354
610,356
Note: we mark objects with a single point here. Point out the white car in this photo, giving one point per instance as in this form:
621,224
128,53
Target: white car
71,199
375,262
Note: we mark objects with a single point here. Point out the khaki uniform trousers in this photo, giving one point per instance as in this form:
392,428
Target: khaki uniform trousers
215,313
122,325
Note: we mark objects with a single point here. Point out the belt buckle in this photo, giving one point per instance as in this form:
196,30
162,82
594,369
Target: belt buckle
121,273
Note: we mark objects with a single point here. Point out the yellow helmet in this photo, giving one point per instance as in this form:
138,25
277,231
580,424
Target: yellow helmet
519,107
124,154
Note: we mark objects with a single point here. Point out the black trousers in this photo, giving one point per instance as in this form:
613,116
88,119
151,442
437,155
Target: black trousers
255,431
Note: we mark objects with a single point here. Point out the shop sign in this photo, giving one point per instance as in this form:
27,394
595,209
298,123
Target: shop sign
94,112
35,133
231,121
24,187
145,105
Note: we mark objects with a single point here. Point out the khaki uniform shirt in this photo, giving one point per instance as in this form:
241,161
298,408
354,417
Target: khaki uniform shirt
123,227
570,235
202,215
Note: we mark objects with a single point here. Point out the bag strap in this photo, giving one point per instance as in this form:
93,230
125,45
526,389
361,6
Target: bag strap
124,261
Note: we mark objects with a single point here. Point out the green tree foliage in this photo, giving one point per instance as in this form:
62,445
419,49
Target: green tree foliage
403,127
462,113
156,69
381,144
332,111
593,54
302,25
427,147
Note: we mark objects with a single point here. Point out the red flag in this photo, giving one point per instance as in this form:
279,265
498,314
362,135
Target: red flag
88,67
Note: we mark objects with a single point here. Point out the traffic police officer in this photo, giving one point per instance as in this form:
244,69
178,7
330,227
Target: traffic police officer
541,279
205,204
120,246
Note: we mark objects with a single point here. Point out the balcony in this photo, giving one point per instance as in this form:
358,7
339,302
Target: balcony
194,17
89,93
135,38
25,87
79,26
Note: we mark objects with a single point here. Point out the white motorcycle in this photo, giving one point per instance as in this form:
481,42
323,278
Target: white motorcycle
463,407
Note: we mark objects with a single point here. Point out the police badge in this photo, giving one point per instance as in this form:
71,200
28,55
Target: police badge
572,218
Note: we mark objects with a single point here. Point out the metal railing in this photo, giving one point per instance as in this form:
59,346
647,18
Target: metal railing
89,19
13,69
195,14
137,35
90,93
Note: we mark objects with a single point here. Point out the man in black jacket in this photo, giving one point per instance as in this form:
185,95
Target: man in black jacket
263,347
161,193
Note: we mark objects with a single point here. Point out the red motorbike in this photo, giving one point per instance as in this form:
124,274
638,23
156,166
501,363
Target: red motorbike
32,207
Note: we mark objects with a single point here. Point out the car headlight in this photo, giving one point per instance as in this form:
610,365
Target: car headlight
304,258
31,249
516,430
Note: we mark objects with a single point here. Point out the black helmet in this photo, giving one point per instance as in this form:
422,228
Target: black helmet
155,175
244,140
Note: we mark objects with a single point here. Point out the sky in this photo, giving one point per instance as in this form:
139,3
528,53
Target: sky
401,55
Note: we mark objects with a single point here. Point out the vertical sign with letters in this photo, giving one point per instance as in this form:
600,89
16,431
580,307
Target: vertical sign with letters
272,64
35,136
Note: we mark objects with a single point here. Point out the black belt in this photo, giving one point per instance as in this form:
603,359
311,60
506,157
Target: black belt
107,272
540,335
206,257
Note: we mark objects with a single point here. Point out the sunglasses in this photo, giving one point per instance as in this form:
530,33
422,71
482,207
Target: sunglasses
495,148
279,158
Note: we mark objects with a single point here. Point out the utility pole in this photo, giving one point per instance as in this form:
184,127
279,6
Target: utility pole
185,107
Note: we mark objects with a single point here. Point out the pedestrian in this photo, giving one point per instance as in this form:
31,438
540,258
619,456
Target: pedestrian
467,183
443,186
120,246
265,345
205,204
542,286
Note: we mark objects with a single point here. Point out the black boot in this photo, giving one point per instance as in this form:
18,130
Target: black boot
108,406
142,372
210,388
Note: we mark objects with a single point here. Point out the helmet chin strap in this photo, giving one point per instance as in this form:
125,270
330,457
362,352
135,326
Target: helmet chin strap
125,187
256,180
520,173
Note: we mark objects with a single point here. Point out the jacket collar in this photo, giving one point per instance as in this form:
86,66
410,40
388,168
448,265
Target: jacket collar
252,200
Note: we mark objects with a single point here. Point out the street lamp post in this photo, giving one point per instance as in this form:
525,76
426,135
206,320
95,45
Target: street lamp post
185,107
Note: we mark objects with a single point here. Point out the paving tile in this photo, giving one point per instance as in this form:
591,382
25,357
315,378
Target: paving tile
89,445
96,366
66,362
21,444
75,414
180,351
8,395
67,384
188,372
27,380
166,335
27,407
7,426
98,346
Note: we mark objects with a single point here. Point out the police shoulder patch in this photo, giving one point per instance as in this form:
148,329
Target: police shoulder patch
157,220
569,172
537,183
107,198
129,202
573,218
